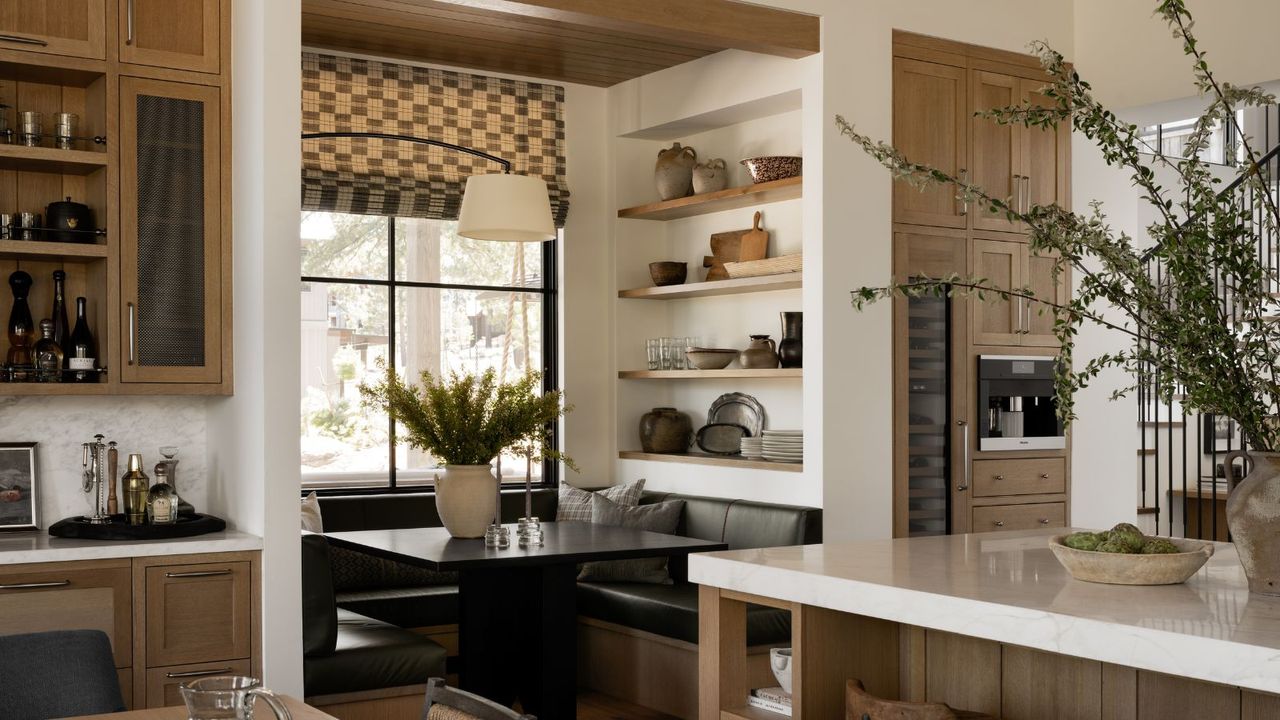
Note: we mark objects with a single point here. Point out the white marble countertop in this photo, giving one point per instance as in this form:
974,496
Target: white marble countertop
39,546
1008,587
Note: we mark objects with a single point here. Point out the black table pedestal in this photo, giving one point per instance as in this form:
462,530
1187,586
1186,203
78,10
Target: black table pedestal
518,636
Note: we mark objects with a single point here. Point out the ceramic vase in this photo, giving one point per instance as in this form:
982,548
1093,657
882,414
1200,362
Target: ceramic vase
791,349
673,173
465,499
1253,516
710,176
761,354
665,430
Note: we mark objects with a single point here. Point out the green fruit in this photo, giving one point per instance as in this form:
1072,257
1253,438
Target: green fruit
1159,546
1083,540
1112,545
1129,536
1127,528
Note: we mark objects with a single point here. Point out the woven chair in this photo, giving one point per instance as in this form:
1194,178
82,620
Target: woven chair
446,703
861,705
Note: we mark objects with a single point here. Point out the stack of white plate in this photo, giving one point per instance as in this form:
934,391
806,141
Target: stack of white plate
783,445
752,448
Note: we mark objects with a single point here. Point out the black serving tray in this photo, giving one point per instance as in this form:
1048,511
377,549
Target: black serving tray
119,529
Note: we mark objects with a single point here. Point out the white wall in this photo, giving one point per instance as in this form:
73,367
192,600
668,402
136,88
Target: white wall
137,424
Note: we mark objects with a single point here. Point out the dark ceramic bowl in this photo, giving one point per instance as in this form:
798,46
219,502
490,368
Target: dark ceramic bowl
668,273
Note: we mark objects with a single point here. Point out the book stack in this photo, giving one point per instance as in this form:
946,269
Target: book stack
773,699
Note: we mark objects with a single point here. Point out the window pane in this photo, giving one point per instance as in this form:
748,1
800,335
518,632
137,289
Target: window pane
344,246
432,251
344,333
464,331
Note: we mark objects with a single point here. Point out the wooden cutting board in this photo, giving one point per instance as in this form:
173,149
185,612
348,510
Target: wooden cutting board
736,246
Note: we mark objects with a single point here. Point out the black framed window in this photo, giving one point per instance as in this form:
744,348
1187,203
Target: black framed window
412,292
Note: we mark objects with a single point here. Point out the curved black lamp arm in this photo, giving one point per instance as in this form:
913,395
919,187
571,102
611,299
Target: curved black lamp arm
506,164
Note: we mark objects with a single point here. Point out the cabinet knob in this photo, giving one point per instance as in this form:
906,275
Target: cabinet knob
1044,521
999,523
962,487
997,477
1044,476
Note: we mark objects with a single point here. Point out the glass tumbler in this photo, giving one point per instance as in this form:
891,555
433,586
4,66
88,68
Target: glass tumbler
653,352
66,128
228,697
677,353
664,353
31,128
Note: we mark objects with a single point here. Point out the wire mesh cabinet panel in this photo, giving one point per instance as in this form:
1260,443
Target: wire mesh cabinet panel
171,251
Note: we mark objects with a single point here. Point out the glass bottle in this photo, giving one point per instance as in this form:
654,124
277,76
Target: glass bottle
136,486
82,351
162,506
170,455
20,329
61,328
48,355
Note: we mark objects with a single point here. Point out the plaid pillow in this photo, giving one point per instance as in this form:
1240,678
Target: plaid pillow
575,503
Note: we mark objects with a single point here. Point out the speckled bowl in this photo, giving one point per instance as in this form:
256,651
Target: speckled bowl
1133,569
768,168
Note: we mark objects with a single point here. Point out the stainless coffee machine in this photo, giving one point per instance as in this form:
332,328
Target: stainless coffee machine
1021,412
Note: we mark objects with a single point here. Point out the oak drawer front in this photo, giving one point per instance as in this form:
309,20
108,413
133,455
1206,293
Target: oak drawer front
76,598
162,683
77,28
1019,517
1040,476
197,613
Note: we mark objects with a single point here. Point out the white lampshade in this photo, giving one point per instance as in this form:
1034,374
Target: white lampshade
506,207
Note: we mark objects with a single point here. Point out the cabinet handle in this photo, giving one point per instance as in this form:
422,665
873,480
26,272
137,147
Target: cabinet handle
997,477
1026,194
128,21
964,203
1044,521
23,40
1016,200
133,314
197,573
198,673
999,523
32,585
1044,476
967,465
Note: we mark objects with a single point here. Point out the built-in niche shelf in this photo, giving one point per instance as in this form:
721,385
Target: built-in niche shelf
51,160
716,460
732,373
735,286
39,250
728,199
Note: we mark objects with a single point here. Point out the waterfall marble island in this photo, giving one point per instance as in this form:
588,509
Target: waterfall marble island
953,619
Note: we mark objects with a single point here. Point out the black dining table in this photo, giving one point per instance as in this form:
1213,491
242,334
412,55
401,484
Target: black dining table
517,607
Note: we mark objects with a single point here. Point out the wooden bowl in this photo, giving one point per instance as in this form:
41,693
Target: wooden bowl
768,168
710,358
668,273
1133,569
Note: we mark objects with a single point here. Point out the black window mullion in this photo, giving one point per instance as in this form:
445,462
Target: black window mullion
391,345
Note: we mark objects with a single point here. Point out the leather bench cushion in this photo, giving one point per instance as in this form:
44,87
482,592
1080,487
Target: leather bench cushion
345,513
372,655
408,607
744,524
319,619
672,611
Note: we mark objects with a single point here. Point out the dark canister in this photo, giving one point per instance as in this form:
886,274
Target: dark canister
69,221
791,349
665,430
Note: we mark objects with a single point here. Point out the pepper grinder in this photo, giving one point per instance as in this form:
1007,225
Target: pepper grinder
113,467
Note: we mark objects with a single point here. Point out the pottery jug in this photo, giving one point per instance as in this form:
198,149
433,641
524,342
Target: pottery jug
791,349
762,353
710,176
665,430
1253,517
674,171
466,499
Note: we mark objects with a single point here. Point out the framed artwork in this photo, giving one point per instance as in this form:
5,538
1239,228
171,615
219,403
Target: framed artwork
19,507
1220,434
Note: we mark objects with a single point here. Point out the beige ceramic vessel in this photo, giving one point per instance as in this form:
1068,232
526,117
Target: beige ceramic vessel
1253,516
465,497
1133,569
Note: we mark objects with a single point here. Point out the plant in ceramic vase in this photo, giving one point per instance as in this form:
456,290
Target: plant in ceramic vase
1203,321
465,422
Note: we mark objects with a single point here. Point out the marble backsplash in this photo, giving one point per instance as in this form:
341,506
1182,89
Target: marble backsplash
137,424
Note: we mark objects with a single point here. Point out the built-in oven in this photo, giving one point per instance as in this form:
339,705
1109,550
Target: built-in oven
1017,406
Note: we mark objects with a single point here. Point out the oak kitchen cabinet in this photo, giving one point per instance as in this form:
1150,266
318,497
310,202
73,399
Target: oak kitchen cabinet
174,34
76,28
930,125
1015,321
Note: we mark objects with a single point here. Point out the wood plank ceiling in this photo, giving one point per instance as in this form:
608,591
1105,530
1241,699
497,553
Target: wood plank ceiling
592,42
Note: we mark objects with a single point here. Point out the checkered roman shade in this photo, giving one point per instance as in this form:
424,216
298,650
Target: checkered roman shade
522,122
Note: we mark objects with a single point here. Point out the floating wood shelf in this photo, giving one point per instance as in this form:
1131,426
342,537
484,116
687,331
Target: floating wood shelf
732,198
37,250
709,374
51,160
736,286
717,460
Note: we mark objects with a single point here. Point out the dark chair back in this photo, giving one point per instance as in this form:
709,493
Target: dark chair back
56,674
446,703
319,602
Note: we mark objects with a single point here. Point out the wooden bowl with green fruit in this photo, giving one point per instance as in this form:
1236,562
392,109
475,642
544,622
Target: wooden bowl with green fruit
1124,556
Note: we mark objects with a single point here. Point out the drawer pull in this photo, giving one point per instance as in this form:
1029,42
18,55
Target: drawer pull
197,574
999,523
1044,476
198,673
1044,521
997,477
32,585
23,40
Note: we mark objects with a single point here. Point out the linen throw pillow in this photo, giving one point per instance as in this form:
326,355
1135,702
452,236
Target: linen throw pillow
575,503
311,520
660,517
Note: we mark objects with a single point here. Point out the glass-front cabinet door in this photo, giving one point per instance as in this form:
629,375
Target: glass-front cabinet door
171,253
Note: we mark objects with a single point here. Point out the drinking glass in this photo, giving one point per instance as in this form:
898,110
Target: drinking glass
66,127
664,355
652,351
677,348
31,124
228,697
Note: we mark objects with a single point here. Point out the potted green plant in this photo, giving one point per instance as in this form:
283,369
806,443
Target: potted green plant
466,422
1204,322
